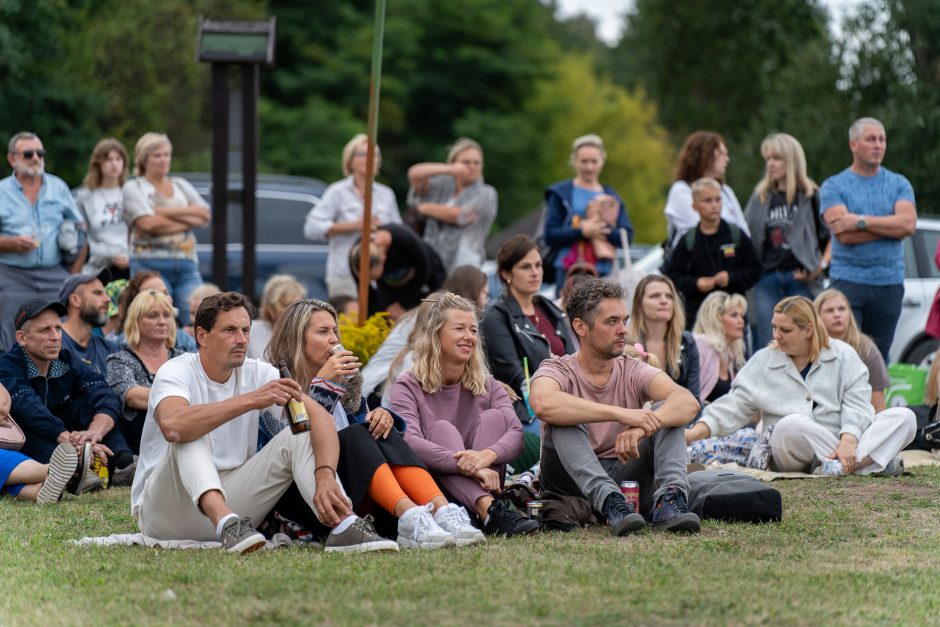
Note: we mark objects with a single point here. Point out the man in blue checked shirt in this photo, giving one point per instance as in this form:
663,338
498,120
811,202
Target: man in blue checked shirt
33,207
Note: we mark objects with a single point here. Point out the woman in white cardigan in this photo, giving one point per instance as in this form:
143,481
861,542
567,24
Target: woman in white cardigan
813,393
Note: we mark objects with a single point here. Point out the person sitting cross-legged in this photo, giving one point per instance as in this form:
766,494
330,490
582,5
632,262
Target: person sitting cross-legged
26,479
58,398
377,468
199,461
815,399
597,429
460,420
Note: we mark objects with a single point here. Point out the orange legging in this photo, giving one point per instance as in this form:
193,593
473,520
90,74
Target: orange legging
391,484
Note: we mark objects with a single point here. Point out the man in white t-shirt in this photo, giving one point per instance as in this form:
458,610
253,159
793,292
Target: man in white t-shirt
597,430
199,462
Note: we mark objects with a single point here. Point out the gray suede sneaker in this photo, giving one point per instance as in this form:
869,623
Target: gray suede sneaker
239,536
359,537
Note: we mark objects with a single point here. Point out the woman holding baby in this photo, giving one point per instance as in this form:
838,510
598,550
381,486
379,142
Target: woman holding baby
583,217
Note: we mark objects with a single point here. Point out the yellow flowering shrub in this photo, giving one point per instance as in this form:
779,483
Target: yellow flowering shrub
365,340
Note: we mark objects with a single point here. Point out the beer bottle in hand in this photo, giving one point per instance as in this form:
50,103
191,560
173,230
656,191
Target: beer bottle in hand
299,421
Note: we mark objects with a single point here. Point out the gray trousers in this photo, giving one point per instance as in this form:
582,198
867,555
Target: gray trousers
570,466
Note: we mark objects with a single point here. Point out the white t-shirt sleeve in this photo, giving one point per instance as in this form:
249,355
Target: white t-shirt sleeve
174,378
679,212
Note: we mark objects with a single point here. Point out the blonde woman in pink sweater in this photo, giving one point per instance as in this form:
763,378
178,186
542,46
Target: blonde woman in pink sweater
461,423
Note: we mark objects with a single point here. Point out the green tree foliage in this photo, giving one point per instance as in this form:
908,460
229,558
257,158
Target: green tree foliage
744,69
893,73
488,69
138,59
36,92
710,64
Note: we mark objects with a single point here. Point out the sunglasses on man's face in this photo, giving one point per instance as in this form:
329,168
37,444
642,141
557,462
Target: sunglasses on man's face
28,154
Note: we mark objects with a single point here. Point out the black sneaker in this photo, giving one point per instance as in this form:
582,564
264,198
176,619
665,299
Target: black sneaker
671,513
621,516
505,521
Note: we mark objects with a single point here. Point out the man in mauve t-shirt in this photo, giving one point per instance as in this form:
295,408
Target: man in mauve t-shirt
596,430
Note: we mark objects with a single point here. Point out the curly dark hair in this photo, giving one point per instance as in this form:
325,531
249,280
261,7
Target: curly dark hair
585,299
696,155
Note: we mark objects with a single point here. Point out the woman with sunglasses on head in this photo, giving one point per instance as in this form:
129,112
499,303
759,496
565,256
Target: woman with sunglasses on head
337,217
458,207
582,214
522,325
101,201
815,400
376,466
657,321
460,420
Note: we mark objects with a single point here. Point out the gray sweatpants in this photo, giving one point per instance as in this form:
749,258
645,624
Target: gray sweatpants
570,466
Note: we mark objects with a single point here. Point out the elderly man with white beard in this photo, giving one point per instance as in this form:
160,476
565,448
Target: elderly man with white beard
33,207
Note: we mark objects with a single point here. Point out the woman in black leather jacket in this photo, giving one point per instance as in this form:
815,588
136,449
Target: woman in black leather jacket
521,323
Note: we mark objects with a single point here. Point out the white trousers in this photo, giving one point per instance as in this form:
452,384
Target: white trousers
169,507
797,438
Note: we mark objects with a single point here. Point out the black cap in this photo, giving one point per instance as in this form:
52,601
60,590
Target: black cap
35,306
73,281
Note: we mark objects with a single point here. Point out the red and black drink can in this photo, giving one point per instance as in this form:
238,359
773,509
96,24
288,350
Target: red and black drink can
631,492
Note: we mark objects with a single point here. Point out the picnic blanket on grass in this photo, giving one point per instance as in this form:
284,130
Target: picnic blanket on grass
139,539
912,459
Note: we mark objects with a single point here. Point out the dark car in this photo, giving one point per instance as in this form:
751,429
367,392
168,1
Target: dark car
283,204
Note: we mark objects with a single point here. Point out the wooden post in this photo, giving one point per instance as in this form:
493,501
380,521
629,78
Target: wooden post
375,82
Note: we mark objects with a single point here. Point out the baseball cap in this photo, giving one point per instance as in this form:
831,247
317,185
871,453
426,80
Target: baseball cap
74,280
35,306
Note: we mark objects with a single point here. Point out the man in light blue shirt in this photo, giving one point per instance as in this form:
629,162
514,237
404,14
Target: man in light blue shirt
33,206
869,210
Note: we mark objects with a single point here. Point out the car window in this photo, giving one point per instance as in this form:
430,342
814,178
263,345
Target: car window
929,239
910,257
280,221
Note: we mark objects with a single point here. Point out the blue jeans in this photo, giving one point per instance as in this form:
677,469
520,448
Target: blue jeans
876,309
770,290
180,275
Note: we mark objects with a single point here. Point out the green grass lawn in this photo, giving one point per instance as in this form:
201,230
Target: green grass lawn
849,550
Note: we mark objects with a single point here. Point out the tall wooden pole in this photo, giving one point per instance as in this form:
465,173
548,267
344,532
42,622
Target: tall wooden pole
375,84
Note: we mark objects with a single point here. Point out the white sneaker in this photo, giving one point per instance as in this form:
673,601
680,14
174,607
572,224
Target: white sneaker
418,530
454,519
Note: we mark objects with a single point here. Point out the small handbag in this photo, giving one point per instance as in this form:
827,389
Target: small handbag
11,436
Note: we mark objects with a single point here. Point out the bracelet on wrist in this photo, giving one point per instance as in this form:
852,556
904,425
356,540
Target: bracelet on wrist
330,468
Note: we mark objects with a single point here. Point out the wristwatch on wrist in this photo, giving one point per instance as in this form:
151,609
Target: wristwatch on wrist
860,225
